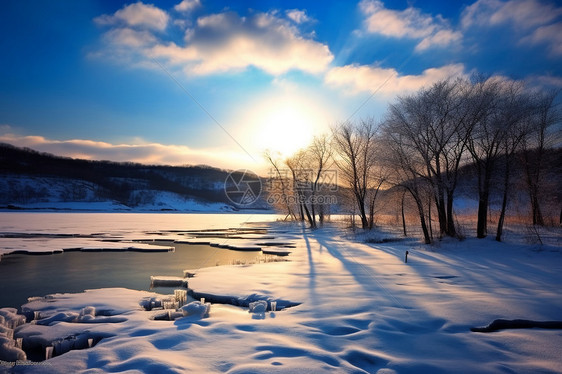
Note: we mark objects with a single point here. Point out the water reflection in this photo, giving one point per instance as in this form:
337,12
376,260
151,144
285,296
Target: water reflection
22,276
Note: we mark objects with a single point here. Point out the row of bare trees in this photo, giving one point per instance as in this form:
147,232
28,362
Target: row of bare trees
421,145
360,159
436,130
298,184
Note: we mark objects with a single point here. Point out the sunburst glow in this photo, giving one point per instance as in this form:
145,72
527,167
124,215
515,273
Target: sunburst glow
284,125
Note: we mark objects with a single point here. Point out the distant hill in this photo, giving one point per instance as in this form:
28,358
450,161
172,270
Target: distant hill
35,180
551,179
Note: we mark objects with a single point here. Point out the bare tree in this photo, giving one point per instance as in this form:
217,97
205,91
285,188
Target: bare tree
300,178
355,146
535,146
406,166
485,144
320,160
302,184
379,175
402,213
510,116
516,113
279,186
436,123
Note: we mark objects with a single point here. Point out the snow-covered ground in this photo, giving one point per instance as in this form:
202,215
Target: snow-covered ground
362,310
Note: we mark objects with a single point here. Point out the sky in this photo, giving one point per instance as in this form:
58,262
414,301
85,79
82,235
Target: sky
218,83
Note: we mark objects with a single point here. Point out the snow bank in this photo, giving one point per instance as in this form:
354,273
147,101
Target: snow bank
363,310
196,308
10,348
162,201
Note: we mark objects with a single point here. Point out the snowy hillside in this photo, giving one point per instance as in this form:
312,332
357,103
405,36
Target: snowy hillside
47,193
32,180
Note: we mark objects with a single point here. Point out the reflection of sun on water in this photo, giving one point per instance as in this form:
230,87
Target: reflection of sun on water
285,126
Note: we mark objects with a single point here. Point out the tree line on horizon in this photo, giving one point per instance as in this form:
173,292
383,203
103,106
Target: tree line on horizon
128,183
419,148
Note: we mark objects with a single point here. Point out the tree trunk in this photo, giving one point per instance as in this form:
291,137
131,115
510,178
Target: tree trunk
504,203
482,224
419,204
362,213
441,212
532,171
429,219
483,199
311,220
364,222
321,214
313,208
301,211
404,218
535,206
371,213
451,231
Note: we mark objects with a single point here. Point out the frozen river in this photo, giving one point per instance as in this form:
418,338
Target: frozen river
22,276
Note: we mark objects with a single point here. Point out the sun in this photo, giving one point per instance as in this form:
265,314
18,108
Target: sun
285,125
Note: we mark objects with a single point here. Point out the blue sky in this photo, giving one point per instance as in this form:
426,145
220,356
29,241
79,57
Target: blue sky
215,82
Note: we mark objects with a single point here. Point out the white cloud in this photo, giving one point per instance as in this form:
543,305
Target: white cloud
219,43
227,42
523,14
125,46
174,53
441,38
187,6
409,23
137,15
533,21
386,81
550,35
129,37
146,153
297,16
544,81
